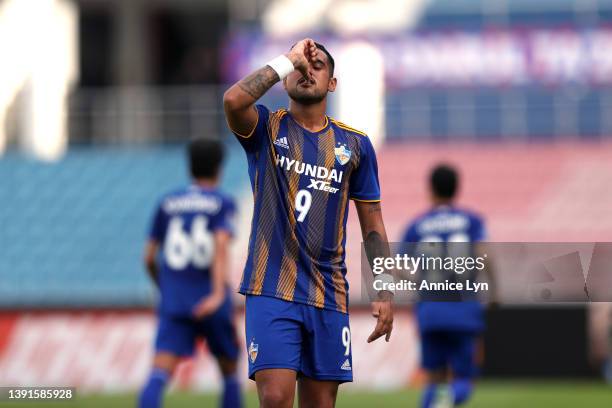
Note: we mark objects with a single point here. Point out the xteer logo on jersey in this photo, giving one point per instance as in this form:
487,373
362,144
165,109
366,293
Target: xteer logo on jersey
321,178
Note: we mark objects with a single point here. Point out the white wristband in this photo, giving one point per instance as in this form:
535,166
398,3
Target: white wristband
282,65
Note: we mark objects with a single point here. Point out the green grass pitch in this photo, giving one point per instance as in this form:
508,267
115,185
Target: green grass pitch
488,394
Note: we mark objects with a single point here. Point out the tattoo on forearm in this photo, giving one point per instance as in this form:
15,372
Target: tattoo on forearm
374,244
258,83
375,247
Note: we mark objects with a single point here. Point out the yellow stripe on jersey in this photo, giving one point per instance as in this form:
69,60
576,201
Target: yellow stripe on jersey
323,127
340,291
365,201
260,265
255,190
262,240
267,217
288,271
338,279
316,220
347,127
274,123
280,113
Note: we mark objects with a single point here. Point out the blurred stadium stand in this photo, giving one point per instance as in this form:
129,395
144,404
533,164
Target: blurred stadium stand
145,115
73,231
533,149
534,113
476,14
534,192
526,193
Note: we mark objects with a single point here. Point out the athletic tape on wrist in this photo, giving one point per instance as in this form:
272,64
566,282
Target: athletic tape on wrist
282,65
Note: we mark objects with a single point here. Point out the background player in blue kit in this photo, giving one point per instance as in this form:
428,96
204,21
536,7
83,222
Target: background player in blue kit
304,167
192,228
449,330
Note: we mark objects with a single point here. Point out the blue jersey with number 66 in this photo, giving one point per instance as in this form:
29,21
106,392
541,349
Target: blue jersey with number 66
184,225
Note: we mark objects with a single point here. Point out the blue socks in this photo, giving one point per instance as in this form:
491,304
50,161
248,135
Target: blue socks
231,393
462,389
152,394
429,396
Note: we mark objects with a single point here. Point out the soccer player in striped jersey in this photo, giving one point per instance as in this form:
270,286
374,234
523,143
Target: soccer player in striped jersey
304,168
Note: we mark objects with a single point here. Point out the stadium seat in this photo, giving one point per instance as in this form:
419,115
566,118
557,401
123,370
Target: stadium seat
72,231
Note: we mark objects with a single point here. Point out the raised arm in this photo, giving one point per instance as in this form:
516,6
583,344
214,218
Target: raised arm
376,245
239,100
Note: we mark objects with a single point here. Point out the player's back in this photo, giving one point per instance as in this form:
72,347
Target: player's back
453,229
184,225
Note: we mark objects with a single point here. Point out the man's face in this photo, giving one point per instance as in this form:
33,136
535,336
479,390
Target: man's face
314,91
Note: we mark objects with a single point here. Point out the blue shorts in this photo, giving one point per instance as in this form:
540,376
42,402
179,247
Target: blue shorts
178,334
454,349
313,342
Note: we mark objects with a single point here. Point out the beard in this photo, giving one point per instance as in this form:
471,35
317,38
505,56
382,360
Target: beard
306,97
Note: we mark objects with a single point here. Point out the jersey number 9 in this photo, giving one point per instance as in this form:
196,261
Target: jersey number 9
303,200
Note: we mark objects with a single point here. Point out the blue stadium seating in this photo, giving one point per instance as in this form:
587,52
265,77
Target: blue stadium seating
72,232
476,14
536,105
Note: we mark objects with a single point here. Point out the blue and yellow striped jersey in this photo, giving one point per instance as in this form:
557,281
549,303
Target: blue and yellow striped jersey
302,182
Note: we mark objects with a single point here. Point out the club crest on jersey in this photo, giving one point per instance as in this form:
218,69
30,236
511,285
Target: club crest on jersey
343,154
253,350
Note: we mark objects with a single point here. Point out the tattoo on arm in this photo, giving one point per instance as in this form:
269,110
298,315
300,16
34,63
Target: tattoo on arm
374,242
258,83
375,247
374,239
